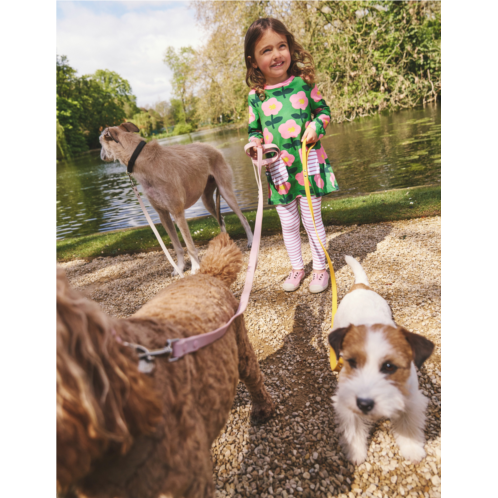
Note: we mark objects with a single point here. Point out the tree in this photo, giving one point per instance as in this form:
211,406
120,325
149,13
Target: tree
164,110
182,65
369,56
88,103
66,78
62,148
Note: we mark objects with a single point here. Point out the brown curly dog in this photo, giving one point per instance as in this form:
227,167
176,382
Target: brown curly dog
122,433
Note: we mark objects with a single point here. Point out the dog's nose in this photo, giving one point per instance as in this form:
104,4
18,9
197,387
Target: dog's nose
365,405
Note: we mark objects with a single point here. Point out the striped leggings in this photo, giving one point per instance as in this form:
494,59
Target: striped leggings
289,218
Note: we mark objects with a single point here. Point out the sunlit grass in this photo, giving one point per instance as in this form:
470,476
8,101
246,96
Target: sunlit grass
371,208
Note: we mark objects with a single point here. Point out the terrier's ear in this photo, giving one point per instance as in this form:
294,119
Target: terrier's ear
422,348
129,127
336,337
113,134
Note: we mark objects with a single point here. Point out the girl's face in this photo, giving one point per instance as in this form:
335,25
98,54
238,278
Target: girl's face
272,57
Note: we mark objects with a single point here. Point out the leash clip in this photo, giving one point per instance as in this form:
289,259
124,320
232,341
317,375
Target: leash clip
146,357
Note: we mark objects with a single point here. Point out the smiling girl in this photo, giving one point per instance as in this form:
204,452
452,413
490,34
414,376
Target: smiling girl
286,108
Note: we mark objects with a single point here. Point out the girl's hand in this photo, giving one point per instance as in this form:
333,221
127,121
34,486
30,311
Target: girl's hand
309,136
257,144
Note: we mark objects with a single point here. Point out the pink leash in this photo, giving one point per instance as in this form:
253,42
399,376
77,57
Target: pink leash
177,348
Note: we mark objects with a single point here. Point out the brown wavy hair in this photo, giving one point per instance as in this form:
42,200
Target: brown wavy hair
301,60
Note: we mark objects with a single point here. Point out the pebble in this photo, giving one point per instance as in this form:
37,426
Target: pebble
297,452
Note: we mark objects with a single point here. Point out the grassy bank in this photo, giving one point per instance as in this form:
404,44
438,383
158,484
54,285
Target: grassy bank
371,208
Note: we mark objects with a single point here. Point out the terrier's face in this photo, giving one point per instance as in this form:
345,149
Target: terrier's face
378,368
113,141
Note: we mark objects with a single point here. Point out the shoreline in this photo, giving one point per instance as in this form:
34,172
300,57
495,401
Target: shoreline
358,209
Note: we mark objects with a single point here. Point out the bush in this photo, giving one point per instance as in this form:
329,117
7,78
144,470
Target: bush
182,129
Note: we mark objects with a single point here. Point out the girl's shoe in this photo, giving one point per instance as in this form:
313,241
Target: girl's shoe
293,281
319,282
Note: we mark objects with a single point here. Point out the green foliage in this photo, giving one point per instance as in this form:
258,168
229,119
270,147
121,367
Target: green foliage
147,122
86,104
182,129
181,62
376,56
369,56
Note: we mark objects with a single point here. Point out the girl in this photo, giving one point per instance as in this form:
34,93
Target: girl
286,108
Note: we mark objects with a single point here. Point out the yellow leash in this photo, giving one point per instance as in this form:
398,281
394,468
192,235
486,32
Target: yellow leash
334,364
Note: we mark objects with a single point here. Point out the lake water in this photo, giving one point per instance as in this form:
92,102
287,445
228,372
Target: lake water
396,150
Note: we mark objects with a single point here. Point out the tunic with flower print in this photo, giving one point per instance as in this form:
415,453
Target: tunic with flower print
288,109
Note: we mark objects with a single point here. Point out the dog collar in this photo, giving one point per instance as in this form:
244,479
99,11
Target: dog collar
135,154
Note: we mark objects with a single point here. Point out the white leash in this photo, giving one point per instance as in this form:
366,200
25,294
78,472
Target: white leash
154,229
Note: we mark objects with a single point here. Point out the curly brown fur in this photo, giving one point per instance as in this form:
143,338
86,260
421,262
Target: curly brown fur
223,260
102,400
121,433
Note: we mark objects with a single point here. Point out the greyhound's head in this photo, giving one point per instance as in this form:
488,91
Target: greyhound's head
118,142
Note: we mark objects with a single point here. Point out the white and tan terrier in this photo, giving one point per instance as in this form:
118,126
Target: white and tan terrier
379,379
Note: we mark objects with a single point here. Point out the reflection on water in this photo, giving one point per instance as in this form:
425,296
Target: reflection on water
396,150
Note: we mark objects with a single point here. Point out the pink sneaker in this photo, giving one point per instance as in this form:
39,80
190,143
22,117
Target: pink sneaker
293,281
319,282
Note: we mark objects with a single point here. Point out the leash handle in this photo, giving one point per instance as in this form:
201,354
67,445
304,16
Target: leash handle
265,149
190,344
154,229
334,363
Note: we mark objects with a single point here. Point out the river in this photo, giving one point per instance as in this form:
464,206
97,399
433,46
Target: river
392,150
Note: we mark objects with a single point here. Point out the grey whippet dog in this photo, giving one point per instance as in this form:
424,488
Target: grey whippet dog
173,178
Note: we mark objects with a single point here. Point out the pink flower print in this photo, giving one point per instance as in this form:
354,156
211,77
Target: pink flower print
313,125
289,129
252,117
300,179
284,188
267,136
320,136
271,107
325,120
332,179
307,124
252,92
316,95
299,100
287,158
321,155
319,181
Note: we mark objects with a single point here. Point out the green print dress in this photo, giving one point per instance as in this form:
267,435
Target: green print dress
281,119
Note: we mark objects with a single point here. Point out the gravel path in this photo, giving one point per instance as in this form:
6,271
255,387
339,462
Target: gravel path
297,452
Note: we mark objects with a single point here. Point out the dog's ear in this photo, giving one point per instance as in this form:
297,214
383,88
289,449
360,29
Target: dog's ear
422,348
129,127
111,132
336,337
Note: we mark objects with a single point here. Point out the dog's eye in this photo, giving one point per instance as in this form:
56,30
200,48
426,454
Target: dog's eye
352,362
388,368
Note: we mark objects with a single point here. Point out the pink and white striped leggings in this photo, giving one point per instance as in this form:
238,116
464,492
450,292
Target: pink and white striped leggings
289,218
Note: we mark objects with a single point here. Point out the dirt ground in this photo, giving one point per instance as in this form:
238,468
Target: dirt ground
297,452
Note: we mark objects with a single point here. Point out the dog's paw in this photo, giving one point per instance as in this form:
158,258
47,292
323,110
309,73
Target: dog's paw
355,453
411,450
174,273
261,413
